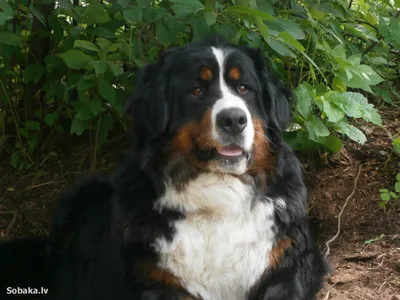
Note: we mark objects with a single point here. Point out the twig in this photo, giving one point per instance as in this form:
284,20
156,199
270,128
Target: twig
39,185
327,295
340,214
14,218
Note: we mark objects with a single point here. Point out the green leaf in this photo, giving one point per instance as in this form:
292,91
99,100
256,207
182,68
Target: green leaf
143,3
333,143
351,131
397,187
385,196
384,94
262,27
100,67
244,10
367,73
56,89
199,27
398,177
193,3
76,59
384,190
279,48
85,45
397,3
51,118
106,91
288,26
10,39
24,132
167,30
133,15
210,18
84,84
338,85
38,14
96,106
32,125
393,195
226,30
79,126
6,12
15,160
332,111
95,13
316,128
84,114
288,39
304,98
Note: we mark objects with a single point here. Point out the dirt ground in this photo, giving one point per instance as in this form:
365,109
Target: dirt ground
365,257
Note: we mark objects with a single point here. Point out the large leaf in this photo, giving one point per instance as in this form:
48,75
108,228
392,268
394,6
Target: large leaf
355,105
95,13
38,14
107,91
279,48
85,45
199,27
193,3
288,26
100,67
304,99
10,39
133,15
351,131
79,126
6,12
244,10
316,128
167,30
289,40
76,59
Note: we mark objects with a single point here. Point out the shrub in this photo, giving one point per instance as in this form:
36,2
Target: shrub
66,66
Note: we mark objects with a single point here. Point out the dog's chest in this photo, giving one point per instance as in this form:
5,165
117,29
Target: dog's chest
221,249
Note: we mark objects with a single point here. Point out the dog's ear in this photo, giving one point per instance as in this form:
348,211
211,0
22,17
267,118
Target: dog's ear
147,106
276,98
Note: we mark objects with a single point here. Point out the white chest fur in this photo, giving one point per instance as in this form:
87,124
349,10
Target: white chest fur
222,247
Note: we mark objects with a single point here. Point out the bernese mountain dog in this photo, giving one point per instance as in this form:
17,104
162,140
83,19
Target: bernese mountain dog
208,204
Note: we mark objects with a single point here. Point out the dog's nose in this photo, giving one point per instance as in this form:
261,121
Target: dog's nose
232,120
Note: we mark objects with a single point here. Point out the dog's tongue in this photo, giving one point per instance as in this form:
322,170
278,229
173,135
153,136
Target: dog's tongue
230,151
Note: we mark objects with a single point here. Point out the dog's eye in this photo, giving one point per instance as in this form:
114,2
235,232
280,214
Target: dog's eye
242,89
197,91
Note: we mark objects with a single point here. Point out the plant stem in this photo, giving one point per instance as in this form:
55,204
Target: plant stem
14,115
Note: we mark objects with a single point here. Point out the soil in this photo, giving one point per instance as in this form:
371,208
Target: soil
364,258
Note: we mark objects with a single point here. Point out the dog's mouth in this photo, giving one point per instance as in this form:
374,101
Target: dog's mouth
230,151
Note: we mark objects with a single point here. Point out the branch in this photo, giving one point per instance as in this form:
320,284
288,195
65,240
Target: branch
340,214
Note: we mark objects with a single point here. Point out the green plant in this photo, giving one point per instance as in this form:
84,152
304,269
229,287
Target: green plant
387,195
373,240
66,66
396,144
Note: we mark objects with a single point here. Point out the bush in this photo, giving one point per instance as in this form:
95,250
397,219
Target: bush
67,66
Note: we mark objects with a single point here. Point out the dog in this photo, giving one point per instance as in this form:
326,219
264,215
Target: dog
208,203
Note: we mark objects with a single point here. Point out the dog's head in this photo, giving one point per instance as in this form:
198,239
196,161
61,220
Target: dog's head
212,102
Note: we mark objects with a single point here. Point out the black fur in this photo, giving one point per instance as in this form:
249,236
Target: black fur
104,226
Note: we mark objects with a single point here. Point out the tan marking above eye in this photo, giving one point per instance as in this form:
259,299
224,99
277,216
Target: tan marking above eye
206,74
234,73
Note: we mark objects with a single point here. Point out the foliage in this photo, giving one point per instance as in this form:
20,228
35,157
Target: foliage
387,195
66,66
